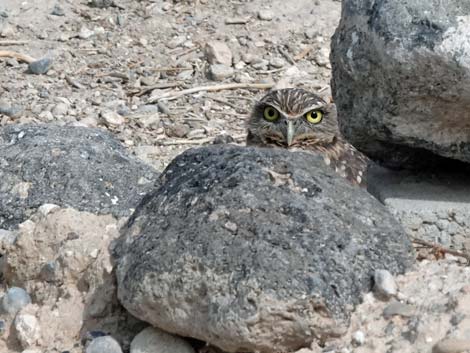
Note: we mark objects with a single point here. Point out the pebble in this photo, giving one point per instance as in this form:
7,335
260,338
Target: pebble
277,63
358,338
7,237
452,345
41,66
322,57
219,72
57,10
104,344
218,52
385,285
27,329
101,4
261,64
85,33
311,33
196,134
153,340
177,130
397,308
13,111
14,299
265,15
110,118
60,109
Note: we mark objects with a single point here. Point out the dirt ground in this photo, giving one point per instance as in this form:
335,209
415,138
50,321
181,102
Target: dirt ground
110,63
110,66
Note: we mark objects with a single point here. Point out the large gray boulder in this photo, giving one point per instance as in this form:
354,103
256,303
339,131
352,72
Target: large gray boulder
254,249
86,169
401,79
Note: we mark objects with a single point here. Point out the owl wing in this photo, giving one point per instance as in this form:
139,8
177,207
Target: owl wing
347,161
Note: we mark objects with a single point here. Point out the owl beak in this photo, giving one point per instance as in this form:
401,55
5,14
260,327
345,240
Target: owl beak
290,132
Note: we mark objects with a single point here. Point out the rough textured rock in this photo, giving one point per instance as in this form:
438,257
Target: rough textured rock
14,299
401,78
69,166
431,206
154,340
254,249
61,258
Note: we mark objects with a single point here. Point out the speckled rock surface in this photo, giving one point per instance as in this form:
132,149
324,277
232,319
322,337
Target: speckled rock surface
254,249
79,167
401,79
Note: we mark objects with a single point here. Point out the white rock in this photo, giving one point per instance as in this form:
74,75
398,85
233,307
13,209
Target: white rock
47,208
219,72
385,285
104,344
27,329
85,33
60,109
31,351
218,53
265,15
111,118
358,338
154,340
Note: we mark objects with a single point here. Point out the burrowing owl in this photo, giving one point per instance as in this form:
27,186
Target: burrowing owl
297,119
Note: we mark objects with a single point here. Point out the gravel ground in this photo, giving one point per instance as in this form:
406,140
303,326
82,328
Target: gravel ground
110,66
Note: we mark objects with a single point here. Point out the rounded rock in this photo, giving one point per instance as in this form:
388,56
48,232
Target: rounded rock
104,344
41,66
14,299
385,285
154,340
27,329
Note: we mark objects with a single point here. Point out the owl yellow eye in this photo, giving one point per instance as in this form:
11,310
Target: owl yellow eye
314,117
270,114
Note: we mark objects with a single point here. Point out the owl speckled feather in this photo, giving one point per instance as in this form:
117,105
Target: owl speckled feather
300,120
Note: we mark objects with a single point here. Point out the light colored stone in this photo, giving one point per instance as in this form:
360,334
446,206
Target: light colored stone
359,338
27,329
452,345
104,344
14,299
111,118
60,109
218,52
219,72
154,340
265,15
384,284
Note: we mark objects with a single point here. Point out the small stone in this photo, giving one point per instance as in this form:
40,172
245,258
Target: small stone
358,338
277,63
218,53
2,326
223,139
177,130
322,57
27,329
57,10
397,308
111,118
105,344
41,66
7,237
47,208
260,65
149,121
311,33
451,345
385,285
14,299
60,109
13,111
49,272
154,340
85,33
219,72
231,226
265,15
196,134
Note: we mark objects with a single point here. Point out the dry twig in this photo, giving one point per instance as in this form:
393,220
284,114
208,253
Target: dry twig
175,95
20,57
74,83
13,42
439,251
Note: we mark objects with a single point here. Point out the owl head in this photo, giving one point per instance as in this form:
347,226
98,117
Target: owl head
292,118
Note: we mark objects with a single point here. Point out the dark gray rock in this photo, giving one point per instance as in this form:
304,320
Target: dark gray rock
41,66
401,78
78,167
254,249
